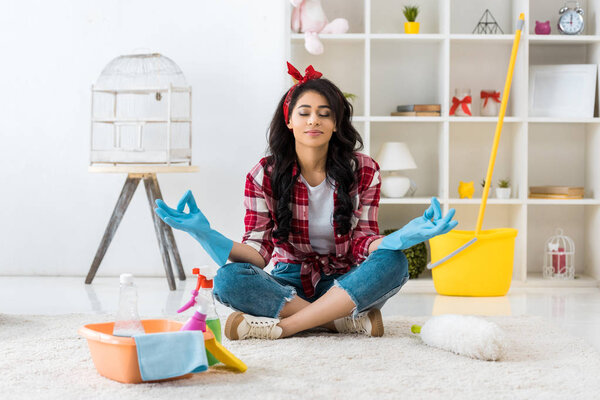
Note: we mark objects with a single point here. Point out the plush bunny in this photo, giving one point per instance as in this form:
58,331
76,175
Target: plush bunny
308,17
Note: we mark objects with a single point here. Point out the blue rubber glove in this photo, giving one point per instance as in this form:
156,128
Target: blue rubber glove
420,229
195,223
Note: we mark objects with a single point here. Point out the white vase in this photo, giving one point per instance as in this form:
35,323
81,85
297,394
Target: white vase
503,193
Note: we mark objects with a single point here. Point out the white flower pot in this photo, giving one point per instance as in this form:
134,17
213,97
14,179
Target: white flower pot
503,193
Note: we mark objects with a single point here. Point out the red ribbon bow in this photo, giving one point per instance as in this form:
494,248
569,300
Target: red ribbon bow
487,95
463,103
309,74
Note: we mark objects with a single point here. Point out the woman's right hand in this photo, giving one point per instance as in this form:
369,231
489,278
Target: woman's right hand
420,229
195,223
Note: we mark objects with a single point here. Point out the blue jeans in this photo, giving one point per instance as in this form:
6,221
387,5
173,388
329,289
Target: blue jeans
247,288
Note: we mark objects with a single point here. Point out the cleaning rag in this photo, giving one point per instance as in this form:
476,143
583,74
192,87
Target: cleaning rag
169,354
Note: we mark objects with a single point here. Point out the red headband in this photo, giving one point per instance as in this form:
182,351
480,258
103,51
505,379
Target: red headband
309,74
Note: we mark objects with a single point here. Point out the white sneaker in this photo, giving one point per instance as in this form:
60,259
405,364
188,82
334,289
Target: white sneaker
369,322
241,326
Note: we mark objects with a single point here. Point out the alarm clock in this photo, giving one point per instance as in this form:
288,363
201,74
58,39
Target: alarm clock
570,21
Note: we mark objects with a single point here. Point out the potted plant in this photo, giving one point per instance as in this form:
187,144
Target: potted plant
503,189
482,183
411,12
351,97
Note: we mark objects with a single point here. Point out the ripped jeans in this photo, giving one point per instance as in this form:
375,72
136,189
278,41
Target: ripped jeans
247,288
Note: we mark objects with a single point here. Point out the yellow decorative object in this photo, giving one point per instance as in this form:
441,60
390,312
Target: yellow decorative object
466,189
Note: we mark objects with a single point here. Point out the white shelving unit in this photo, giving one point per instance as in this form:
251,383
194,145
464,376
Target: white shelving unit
385,67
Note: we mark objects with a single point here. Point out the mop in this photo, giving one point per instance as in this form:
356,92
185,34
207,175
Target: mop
467,335
490,171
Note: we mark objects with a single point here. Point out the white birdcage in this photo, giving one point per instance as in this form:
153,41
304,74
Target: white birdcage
559,257
141,112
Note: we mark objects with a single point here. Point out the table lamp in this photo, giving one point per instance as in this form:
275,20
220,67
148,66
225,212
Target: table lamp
394,157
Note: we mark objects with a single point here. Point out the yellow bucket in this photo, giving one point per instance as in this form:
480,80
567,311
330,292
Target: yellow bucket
483,269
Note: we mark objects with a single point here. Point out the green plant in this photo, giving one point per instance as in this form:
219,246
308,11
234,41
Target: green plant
504,183
410,12
349,96
482,183
416,256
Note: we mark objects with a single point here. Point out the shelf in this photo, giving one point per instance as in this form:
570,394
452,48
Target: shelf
421,37
489,201
546,120
535,279
484,119
462,120
457,37
386,67
405,200
406,119
560,39
565,202
332,37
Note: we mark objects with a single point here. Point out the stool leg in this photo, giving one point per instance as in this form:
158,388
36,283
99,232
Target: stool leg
164,252
169,233
124,199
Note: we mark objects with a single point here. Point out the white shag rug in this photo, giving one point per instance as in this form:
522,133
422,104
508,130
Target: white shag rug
43,357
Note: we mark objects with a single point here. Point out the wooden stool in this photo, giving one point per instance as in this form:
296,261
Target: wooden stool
164,233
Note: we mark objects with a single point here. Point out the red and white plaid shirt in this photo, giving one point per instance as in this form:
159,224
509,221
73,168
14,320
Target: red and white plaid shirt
350,249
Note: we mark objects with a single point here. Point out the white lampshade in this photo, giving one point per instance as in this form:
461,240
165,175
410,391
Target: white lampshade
395,156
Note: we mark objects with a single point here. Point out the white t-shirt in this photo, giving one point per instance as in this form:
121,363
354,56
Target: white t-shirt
320,216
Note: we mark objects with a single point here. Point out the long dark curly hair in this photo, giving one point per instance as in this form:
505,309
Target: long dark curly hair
340,164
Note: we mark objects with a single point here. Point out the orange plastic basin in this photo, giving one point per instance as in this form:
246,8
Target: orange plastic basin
115,357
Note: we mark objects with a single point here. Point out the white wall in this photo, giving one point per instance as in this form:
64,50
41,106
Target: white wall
52,211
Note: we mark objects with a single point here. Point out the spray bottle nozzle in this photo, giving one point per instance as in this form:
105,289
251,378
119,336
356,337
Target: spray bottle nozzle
200,283
191,302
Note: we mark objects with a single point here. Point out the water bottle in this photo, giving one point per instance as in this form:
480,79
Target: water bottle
127,321
212,318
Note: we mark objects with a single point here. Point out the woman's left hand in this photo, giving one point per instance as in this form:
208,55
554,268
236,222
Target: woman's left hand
420,229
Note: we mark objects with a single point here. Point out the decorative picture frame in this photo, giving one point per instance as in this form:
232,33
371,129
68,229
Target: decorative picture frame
563,90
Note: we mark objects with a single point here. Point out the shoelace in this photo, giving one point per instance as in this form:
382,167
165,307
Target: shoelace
355,324
260,329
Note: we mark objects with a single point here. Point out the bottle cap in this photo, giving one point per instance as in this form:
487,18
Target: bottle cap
126,278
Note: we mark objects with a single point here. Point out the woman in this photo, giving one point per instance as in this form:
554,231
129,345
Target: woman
311,208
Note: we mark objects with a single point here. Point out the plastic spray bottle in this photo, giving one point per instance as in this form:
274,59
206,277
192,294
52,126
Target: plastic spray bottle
206,313
127,321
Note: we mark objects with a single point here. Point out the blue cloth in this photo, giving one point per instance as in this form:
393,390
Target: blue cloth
247,288
170,354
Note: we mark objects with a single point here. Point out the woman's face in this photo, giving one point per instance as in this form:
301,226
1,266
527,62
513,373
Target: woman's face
312,120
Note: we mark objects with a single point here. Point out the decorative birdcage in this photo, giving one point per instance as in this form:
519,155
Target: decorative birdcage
141,112
559,257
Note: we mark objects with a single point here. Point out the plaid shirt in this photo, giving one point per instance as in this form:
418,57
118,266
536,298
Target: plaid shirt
350,249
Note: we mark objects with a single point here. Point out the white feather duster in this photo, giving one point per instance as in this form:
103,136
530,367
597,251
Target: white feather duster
466,335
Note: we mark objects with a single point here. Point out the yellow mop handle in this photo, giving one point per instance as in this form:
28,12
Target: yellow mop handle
509,74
